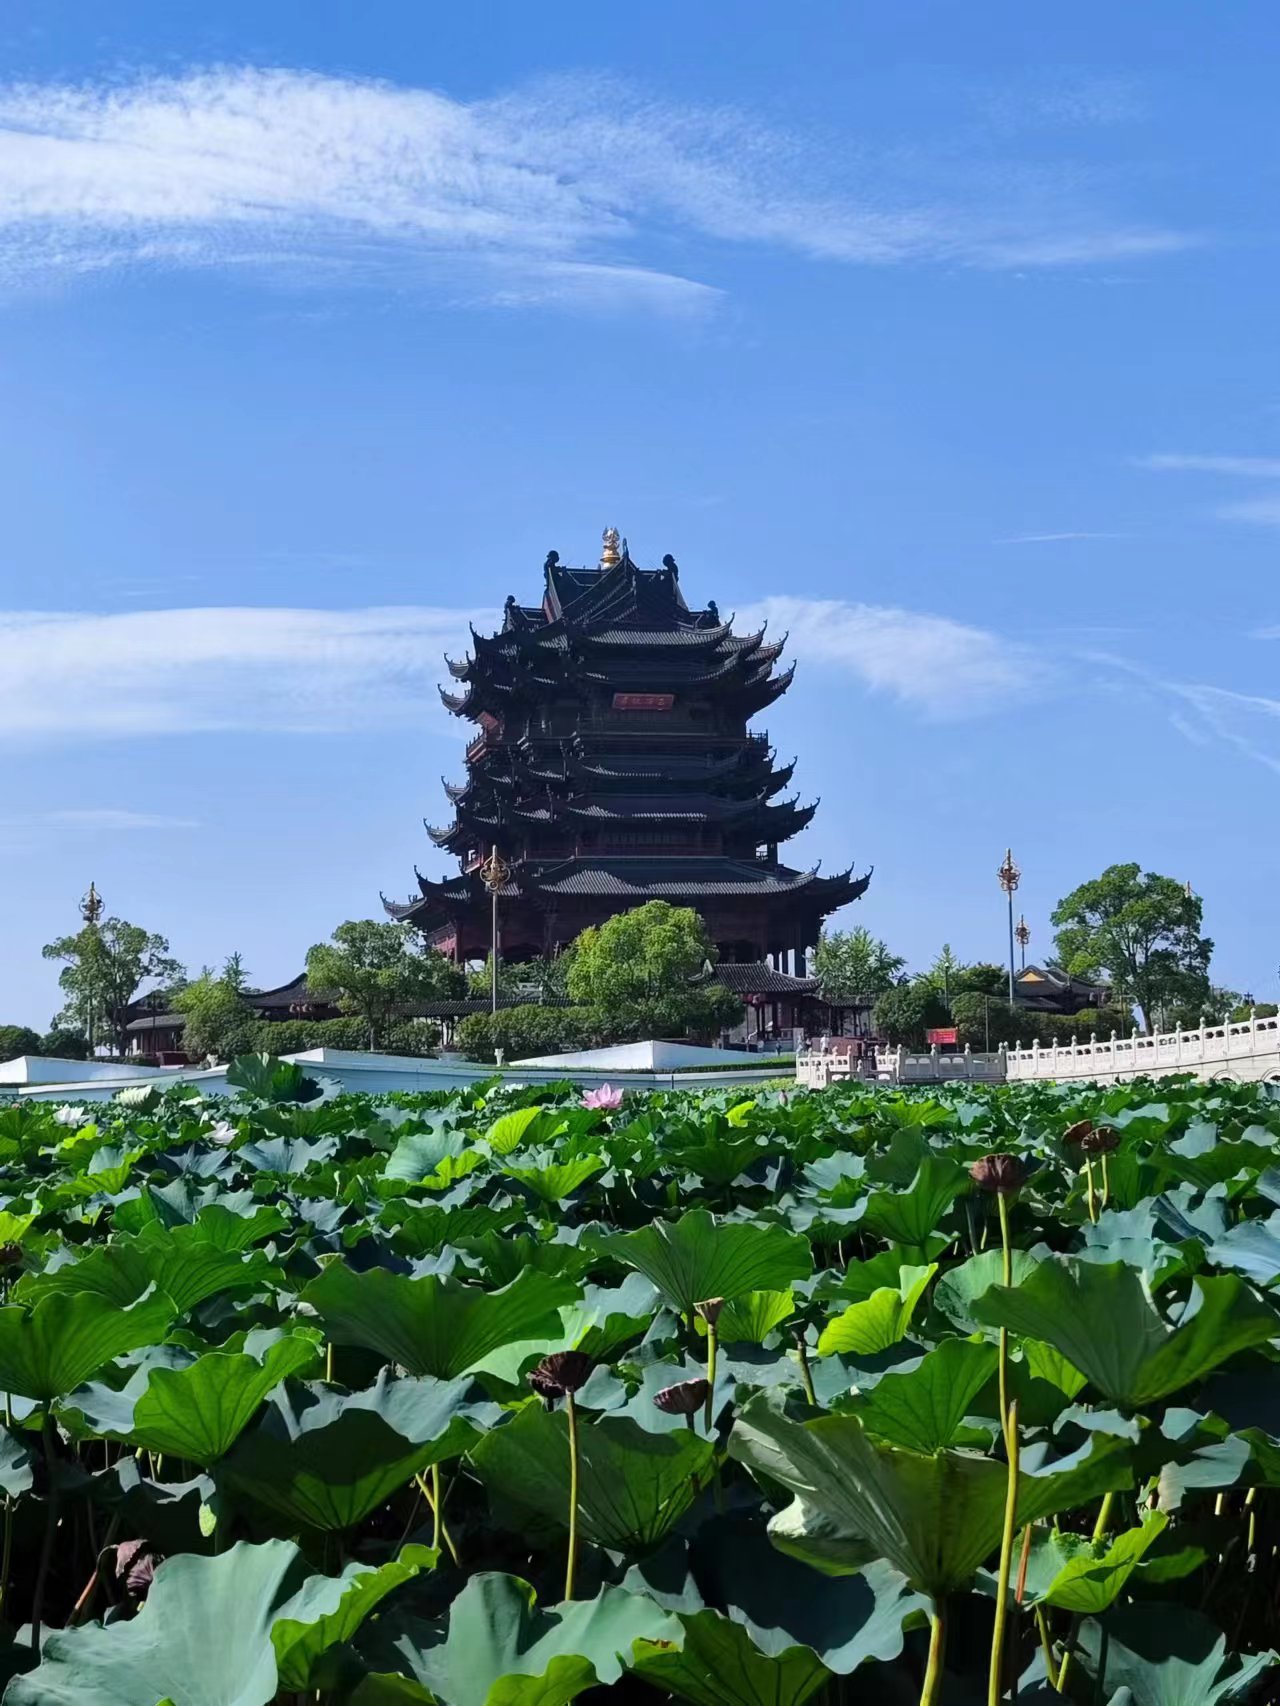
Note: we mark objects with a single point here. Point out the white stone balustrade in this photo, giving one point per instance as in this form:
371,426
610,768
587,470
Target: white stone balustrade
1246,1052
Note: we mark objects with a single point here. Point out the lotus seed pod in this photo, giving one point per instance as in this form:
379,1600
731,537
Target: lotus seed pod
1101,1140
709,1309
560,1373
685,1398
1076,1133
1003,1175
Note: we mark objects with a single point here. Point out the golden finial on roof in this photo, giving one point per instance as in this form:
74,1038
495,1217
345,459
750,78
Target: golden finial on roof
612,552
91,906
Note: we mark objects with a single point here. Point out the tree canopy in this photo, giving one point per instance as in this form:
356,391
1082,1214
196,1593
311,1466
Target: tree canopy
647,967
379,970
903,1014
218,1017
16,1040
850,963
106,963
1143,931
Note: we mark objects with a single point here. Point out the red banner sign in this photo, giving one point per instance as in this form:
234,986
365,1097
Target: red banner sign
944,1034
643,701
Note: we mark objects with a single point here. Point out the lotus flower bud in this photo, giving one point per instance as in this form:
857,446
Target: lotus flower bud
10,1255
685,1398
1003,1175
1076,1133
1101,1140
559,1374
709,1309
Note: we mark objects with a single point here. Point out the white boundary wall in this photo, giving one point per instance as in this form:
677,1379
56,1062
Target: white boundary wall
1246,1053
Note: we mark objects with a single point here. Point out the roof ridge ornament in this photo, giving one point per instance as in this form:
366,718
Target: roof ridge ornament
611,554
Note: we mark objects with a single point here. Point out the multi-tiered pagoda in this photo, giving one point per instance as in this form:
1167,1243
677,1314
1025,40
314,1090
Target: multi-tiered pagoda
611,765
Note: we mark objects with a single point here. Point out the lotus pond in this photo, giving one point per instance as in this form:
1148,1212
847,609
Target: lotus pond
497,1399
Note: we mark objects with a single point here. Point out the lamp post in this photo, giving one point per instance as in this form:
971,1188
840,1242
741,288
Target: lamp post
1023,933
1010,877
494,874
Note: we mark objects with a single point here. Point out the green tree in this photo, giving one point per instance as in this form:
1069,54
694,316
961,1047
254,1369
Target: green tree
644,973
984,1020
850,963
218,1017
63,1044
105,964
903,1014
1143,931
18,1040
381,971
538,980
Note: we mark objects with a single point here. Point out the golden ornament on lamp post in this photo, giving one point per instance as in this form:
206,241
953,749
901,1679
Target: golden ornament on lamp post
495,873
1010,877
1023,933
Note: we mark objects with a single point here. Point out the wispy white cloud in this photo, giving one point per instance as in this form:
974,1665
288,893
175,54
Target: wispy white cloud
1054,538
1204,713
1247,467
545,194
1262,512
939,667
300,671
115,817
196,670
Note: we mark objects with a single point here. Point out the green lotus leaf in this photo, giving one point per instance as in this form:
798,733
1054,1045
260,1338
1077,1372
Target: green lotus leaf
698,1257
748,1320
959,1288
935,1517
300,1643
1102,1318
15,1465
509,1131
552,1183
203,1638
716,1663
1166,1658
435,1325
877,1321
923,1407
909,1216
1086,1576
633,1485
501,1650
49,1350
420,1152
184,1262
324,1459
1252,1248
198,1412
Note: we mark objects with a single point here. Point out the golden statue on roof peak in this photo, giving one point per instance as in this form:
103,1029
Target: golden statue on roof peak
612,552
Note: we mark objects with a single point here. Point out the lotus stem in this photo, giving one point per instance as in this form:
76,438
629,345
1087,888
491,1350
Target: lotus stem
50,1529
1061,1683
1021,1589
1006,1273
571,1563
435,1503
1093,1200
1046,1647
1251,1537
328,1363
806,1373
931,1693
1104,1516
709,1413
7,1557
1106,1181
995,1686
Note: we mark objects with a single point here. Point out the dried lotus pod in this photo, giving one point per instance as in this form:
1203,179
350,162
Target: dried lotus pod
559,1374
1002,1175
685,1398
1076,1133
1101,1140
709,1309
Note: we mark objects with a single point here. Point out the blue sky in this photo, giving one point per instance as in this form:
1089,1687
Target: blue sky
942,335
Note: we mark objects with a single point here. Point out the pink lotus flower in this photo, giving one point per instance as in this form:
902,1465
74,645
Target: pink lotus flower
605,1096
